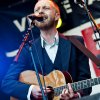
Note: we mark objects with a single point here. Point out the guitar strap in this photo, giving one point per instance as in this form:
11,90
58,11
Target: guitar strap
81,47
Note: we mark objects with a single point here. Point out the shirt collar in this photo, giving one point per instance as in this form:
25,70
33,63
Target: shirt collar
44,42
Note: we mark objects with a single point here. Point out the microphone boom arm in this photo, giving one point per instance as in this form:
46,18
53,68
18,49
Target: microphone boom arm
89,13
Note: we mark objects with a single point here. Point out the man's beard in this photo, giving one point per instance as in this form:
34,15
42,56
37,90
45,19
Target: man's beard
45,25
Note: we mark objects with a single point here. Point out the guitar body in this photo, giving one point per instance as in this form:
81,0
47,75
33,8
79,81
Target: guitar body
54,79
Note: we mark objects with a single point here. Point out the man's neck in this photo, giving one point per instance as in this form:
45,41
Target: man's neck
49,35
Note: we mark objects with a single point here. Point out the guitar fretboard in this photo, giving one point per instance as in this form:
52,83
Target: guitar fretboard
78,85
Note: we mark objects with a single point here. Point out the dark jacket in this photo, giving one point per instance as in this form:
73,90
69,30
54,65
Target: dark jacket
68,58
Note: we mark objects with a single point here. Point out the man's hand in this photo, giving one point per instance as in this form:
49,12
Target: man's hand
37,94
68,94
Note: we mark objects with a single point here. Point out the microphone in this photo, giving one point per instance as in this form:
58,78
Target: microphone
35,17
79,2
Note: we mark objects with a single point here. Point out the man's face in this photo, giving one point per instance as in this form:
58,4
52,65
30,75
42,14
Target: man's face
45,8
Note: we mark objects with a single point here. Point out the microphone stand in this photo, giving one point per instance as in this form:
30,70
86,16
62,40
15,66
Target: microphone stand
97,29
21,46
36,70
30,49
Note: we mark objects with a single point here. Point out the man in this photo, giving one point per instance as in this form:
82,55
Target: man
51,51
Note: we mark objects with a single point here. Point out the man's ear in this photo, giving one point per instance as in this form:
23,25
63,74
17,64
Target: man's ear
57,16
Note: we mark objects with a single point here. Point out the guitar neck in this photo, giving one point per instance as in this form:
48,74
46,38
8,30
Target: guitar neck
78,85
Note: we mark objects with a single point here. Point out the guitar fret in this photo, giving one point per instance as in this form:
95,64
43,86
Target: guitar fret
59,90
92,82
65,87
62,87
98,80
82,85
78,85
74,86
95,81
86,84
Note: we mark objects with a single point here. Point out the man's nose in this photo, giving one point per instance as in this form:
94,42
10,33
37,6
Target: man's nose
41,11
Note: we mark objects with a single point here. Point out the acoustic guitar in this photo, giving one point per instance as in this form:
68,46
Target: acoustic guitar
57,80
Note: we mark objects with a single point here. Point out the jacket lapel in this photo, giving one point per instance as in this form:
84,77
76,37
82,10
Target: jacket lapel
65,47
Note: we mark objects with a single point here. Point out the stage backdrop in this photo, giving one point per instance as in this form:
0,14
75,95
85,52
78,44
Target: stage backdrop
13,26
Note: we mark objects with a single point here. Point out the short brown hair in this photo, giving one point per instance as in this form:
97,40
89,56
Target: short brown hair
55,6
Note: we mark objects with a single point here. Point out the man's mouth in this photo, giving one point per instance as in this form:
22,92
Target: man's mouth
42,19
